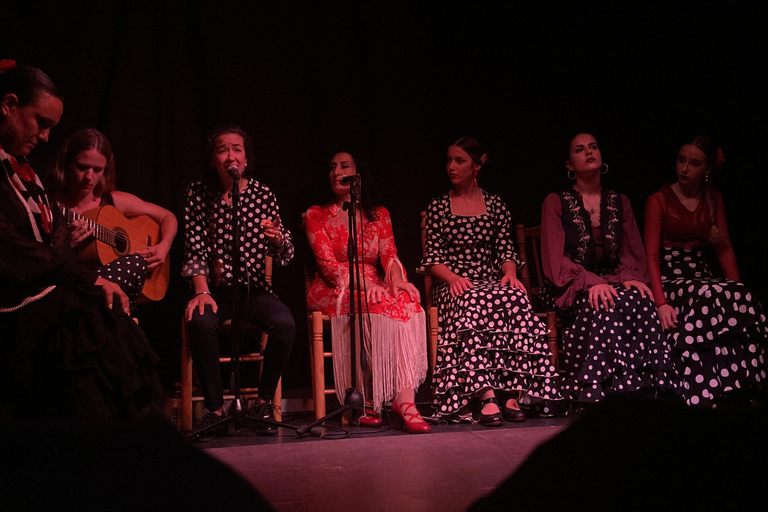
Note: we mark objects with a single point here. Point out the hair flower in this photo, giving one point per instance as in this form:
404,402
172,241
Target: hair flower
720,160
6,64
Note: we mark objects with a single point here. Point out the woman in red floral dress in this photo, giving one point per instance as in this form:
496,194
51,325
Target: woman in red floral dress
395,332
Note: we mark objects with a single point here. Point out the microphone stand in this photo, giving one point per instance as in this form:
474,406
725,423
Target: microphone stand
353,399
237,411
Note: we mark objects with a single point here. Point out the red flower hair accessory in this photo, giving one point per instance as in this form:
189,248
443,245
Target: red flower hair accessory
720,160
7,64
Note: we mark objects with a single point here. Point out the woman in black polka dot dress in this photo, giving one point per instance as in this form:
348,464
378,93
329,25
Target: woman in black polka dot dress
718,330
208,265
489,339
594,260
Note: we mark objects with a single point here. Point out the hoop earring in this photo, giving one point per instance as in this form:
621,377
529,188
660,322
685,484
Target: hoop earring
571,175
604,171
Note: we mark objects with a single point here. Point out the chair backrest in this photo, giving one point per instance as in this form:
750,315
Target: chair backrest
529,244
428,284
268,269
309,273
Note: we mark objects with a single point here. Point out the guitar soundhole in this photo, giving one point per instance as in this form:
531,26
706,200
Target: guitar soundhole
121,242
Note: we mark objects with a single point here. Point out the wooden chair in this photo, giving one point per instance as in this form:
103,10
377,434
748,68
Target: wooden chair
188,395
530,238
318,324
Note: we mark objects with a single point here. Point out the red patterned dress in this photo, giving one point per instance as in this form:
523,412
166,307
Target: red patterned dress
395,330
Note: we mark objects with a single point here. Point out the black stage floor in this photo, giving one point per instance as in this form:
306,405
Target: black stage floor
383,468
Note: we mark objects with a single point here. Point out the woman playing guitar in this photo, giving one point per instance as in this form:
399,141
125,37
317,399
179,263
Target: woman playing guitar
84,182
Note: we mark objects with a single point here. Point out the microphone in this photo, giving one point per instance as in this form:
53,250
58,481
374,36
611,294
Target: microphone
348,180
234,172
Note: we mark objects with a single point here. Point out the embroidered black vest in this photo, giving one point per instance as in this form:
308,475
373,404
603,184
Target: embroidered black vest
579,245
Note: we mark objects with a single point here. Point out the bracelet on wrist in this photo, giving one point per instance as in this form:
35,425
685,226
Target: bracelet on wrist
202,293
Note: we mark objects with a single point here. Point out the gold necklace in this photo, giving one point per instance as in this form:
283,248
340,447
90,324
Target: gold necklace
590,206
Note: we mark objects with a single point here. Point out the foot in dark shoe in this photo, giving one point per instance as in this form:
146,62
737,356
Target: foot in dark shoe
209,427
512,411
264,411
493,417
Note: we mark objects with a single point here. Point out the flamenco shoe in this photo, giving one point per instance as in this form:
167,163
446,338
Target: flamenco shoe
370,417
265,411
409,420
512,414
489,420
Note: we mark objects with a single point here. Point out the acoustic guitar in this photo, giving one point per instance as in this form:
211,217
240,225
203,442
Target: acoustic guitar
116,235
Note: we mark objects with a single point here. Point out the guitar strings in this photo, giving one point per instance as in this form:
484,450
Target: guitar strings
103,229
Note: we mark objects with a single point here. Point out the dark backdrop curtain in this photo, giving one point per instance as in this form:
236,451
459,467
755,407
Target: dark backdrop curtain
399,82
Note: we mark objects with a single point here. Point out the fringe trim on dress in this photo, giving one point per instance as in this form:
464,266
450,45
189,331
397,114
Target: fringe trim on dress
396,352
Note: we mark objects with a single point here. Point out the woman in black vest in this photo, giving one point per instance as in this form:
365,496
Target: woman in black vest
594,259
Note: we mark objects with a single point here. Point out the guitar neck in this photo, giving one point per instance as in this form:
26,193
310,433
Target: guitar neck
100,233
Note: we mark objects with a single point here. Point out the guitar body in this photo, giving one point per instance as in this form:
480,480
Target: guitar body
130,236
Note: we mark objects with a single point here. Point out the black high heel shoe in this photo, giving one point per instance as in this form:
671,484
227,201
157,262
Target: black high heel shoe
489,420
515,415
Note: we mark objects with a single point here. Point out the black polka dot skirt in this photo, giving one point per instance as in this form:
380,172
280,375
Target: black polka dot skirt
720,340
616,351
489,337
129,272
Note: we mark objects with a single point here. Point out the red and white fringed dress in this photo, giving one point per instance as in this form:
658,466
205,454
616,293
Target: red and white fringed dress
395,329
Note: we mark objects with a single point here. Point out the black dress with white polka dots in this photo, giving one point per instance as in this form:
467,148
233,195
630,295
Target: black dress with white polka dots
613,350
208,234
129,272
721,335
489,335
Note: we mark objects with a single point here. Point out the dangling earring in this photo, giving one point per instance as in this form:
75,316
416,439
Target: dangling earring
706,178
604,171
571,174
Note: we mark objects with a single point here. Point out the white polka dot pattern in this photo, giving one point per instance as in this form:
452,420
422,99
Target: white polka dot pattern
722,331
488,336
618,350
208,234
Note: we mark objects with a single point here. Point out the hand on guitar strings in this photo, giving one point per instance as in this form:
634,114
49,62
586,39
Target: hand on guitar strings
80,231
273,230
115,296
154,255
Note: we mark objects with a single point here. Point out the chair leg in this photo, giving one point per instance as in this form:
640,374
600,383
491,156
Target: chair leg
552,339
432,339
186,379
318,363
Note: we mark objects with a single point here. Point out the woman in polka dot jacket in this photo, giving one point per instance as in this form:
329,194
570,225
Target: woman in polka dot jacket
594,260
717,329
208,264
490,341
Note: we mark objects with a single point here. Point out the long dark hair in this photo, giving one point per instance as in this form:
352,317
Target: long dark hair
709,147
83,140
27,82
